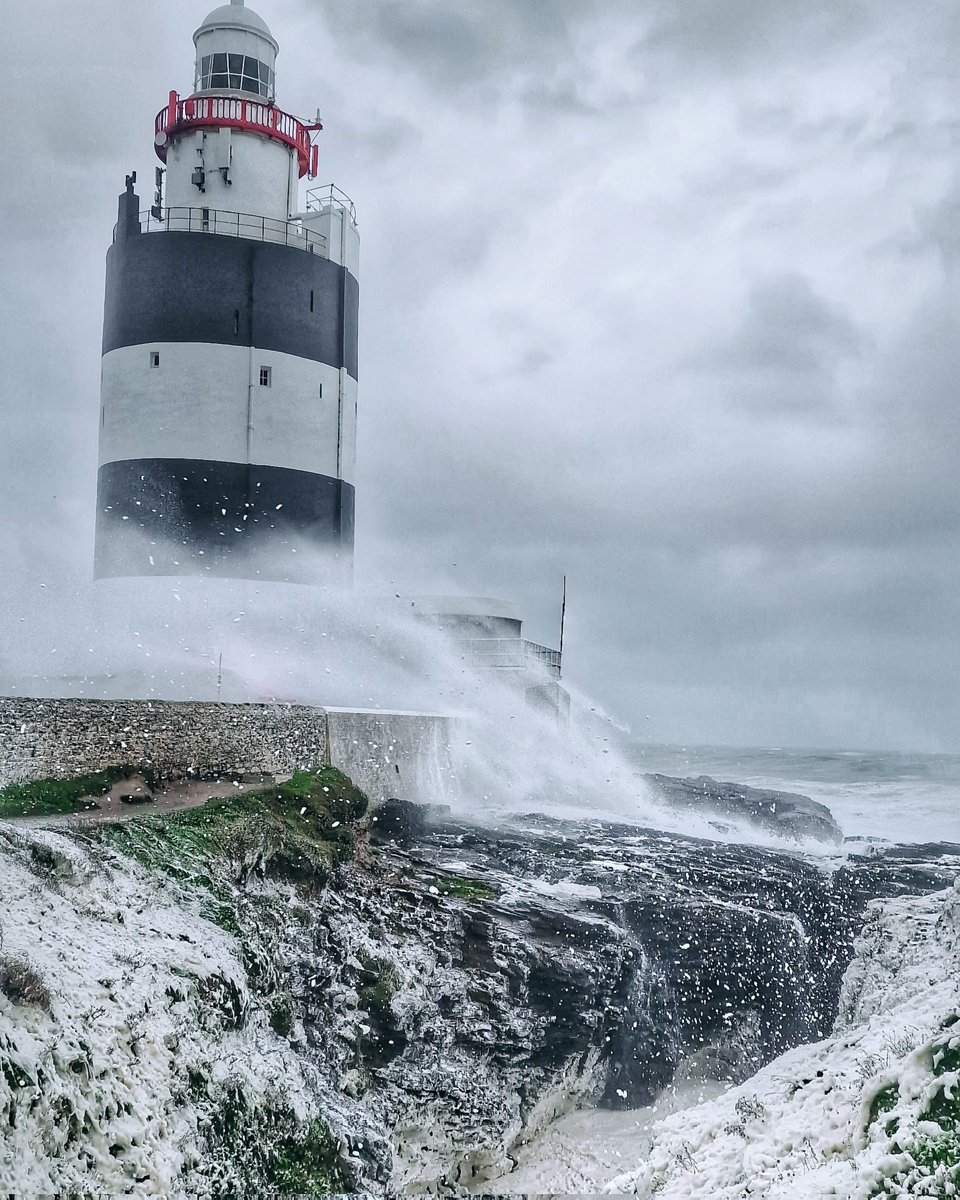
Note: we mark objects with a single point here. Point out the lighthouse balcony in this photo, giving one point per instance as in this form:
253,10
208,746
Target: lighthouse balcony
219,222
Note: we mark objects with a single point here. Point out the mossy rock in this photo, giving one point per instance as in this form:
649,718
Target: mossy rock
459,887
253,1150
943,1108
886,1100
936,1161
296,830
379,984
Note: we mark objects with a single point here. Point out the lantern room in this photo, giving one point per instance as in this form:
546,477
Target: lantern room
236,54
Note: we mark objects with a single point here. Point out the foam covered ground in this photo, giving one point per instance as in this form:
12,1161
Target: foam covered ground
872,1110
135,1039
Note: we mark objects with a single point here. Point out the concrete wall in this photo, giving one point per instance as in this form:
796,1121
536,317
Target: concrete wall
393,754
406,755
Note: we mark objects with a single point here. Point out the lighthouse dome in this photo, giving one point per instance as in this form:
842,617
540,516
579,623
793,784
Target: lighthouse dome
236,52
234,15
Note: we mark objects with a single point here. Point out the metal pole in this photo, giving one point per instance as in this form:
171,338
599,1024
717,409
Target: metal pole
563,618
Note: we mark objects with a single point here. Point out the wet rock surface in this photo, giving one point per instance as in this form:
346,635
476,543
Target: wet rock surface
785,814
432,991
509,973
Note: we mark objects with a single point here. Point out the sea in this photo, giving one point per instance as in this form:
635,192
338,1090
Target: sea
874,795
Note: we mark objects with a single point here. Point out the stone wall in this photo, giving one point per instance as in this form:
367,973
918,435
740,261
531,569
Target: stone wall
406,755
41,738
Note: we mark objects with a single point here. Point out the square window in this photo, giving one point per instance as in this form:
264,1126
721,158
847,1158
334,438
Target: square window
266,376
154,358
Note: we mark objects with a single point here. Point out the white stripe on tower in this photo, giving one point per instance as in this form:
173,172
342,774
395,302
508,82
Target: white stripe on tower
227,404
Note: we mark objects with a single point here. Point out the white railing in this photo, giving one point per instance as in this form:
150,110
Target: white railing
230,224
514,654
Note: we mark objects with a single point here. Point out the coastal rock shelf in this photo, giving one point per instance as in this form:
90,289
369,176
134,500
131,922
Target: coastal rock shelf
726,953
872,1111
276,993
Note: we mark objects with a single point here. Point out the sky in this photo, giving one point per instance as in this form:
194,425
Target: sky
660,296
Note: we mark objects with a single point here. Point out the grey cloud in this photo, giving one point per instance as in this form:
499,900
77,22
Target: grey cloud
789,344
459,47
702,38
938,225
564,96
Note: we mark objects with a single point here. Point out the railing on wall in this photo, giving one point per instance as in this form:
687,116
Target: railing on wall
330,196
513,654
230,224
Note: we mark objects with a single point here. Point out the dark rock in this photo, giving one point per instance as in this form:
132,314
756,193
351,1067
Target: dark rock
403,821
658,947
602,961
786,814
137,798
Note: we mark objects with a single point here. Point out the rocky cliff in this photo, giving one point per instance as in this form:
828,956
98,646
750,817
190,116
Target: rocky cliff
278,993
871,1111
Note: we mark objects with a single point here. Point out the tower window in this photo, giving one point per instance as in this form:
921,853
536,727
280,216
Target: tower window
311,299
234,72
154,358
320,391
266,376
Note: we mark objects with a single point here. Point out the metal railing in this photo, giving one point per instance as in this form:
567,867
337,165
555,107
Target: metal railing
330,196
257,116
514,654
230,224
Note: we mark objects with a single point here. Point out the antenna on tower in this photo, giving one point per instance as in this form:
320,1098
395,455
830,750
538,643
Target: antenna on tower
563,618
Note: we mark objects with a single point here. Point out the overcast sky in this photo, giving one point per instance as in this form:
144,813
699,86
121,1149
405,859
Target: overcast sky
660,295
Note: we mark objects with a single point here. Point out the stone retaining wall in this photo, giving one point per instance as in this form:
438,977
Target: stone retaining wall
41,738
406,755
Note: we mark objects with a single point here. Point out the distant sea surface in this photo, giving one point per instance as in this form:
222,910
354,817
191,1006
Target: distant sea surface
894,797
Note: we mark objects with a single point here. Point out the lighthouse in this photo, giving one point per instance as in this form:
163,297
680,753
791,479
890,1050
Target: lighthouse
229,374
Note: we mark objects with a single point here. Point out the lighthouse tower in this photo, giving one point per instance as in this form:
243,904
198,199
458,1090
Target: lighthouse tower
229,382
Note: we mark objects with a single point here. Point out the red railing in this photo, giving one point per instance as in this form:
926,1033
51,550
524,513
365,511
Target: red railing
200,112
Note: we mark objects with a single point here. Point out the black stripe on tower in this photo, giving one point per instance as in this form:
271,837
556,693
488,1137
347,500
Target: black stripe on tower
162,516
201,287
